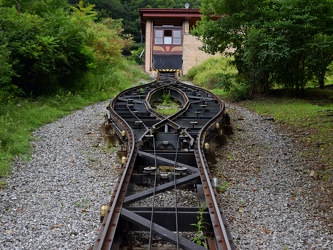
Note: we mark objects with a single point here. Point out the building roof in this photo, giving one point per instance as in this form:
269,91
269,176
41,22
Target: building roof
149,13
168,16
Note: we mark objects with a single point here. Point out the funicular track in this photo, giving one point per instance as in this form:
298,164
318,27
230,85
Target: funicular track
161,154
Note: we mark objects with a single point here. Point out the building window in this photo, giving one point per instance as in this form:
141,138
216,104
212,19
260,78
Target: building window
158,36
177,37
167,36
164,36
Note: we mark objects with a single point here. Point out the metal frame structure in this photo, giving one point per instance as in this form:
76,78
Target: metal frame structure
151,140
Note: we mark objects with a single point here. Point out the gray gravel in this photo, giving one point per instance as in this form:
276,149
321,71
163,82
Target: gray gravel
269,201
53,201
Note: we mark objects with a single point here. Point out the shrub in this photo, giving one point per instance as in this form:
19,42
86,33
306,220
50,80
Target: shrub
45,51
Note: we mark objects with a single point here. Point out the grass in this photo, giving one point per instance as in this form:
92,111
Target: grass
223,186
167,105
20,118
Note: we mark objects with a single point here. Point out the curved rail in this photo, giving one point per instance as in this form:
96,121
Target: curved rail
151,142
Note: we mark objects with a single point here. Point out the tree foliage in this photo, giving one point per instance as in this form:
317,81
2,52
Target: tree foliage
38,7
104,38
7,89
44,46
276,42
83,13
46,51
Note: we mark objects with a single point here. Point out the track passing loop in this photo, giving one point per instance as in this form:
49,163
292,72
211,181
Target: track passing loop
164,198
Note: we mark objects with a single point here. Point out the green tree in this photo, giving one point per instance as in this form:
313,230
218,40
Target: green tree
37,6
84,14
45,47
104,38
274,39
8,91
321,57
46,52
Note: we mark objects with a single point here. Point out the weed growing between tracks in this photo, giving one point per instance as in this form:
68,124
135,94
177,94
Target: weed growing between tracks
166,105
222,186
200,238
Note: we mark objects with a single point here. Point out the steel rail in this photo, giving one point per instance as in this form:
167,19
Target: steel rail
210,194
107,234
200,107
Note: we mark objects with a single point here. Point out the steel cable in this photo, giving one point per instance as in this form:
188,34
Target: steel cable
153,204
175,187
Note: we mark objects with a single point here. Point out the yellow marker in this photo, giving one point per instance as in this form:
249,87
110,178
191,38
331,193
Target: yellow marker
104,209
123,133
123,160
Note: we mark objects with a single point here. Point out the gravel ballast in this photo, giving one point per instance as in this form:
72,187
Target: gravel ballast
270,201
53,200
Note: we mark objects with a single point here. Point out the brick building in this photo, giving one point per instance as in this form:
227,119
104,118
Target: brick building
168,42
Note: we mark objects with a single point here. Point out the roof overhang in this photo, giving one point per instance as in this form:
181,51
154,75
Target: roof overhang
168,16
152,13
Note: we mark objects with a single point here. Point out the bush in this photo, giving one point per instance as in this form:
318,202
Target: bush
8,91
106,41
219,73
137,53
238,92
45,51
208,73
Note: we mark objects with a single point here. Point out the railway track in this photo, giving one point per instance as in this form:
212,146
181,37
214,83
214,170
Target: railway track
161,156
